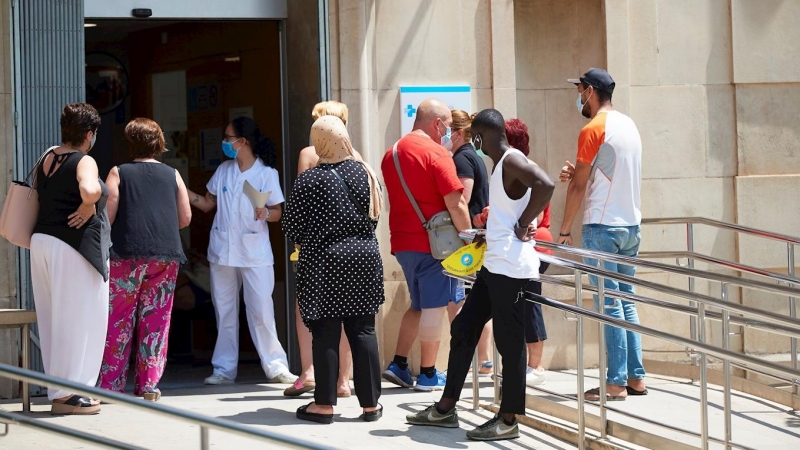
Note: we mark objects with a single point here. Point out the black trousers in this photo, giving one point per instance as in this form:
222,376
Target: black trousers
360,331
496,297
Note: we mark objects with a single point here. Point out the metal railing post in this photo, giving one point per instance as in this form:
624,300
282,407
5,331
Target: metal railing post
701,322
793,313
579,351
25,341
476,387
690,261
726,366
204,444
601,344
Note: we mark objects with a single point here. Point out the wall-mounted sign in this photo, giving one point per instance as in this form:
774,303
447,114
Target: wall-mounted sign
456,97
204,97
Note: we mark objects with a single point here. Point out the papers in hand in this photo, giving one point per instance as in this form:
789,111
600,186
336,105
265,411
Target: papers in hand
258,199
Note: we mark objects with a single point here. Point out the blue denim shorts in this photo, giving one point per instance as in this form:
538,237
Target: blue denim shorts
428,285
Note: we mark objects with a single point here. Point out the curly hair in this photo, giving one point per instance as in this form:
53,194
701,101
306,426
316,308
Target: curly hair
517,135
262,146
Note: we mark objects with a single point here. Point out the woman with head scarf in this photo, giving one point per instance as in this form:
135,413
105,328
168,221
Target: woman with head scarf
332,213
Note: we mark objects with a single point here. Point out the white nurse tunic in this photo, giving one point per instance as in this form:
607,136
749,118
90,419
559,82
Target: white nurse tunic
240,254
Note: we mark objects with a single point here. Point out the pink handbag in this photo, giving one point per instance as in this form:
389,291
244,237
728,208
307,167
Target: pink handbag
21,209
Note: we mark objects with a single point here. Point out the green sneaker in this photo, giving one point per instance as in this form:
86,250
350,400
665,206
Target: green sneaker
429,416
494,430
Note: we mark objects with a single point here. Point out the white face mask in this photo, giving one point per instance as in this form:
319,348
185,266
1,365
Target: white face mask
580,104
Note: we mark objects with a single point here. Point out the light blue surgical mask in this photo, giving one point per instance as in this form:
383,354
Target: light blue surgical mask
94,139
228,150
447,142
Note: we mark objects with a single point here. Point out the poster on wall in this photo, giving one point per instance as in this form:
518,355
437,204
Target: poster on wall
211,142
456,97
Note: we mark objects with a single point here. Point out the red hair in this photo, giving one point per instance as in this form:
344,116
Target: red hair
517,135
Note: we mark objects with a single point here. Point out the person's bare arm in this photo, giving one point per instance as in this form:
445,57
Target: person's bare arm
575,193
468,183
533,177
205,204
112,183
89,186
308,158
184,208
457,207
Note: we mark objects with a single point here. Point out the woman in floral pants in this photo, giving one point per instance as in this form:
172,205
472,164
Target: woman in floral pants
148,203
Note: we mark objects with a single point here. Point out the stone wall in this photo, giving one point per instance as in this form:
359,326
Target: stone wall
9,350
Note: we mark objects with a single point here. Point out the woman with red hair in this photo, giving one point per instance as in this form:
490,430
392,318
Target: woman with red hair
535,333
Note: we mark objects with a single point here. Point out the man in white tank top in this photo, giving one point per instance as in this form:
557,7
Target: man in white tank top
608,172
518,192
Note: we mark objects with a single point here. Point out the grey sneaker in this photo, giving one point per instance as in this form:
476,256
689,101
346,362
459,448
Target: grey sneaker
494,430
216,379
429,416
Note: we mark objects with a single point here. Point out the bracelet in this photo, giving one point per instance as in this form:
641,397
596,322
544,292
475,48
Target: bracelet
565,235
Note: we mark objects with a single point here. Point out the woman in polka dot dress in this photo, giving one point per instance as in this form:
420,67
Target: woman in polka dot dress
332,214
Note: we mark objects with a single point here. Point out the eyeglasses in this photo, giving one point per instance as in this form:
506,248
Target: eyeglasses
227,137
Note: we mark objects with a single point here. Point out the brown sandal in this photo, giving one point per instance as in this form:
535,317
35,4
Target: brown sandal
299,388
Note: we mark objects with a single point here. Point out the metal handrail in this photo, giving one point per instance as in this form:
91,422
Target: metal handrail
790,242
721,262
723,225
204,422
690,272
784,324
772,368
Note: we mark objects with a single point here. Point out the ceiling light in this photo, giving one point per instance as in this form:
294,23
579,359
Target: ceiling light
89,25
233,59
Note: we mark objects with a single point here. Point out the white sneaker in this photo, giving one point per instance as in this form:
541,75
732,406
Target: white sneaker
535,377
216,379
284,378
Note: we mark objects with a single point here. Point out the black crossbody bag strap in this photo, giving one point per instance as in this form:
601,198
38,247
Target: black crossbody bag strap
350,194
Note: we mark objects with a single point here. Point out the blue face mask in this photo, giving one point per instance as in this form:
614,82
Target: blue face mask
446,141
228,150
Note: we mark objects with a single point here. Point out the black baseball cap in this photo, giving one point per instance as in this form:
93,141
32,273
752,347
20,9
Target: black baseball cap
597,78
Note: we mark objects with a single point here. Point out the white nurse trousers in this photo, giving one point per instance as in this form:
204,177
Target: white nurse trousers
71,310
258,285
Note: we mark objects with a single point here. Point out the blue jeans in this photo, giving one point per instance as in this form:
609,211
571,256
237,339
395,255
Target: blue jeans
624,348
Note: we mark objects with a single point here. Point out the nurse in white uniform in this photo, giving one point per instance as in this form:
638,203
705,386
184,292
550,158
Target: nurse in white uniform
240,253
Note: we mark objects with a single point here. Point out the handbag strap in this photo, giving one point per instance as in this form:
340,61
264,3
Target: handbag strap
405,186
353,198
34,170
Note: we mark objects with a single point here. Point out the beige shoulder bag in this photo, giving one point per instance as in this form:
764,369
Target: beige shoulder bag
21,208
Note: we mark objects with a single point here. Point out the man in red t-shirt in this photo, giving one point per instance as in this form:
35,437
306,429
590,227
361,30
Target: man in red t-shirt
428,170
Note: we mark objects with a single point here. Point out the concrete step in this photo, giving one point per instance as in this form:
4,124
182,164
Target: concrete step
674,402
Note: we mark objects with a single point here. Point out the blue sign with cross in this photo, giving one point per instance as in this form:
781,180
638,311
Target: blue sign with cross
456,97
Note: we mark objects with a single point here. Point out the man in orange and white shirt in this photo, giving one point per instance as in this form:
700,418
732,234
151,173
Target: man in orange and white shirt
608,172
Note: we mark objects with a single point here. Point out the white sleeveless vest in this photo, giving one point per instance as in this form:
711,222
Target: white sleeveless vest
505,253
